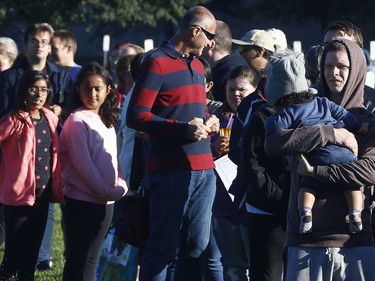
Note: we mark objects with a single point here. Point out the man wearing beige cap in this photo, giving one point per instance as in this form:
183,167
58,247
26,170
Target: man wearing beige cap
256,46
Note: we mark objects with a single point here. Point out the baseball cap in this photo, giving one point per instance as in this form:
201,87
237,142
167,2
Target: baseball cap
279,37
257,37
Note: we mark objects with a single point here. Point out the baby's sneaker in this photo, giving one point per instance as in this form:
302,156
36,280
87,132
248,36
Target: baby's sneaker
355,222
305,225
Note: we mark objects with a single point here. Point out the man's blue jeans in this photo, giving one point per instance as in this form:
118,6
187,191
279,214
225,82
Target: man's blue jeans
180,221
213,266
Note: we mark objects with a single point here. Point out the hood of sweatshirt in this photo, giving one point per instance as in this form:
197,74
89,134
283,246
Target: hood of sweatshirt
351,96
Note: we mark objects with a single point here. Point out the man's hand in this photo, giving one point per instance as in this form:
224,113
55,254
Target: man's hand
345,138
197,130
303,167
214,123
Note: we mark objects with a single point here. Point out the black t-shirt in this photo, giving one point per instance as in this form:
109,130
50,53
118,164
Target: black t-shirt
43,141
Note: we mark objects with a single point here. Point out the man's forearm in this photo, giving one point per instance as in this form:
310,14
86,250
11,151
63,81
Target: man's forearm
300,140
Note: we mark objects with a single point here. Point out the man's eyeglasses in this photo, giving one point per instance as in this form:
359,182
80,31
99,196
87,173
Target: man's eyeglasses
209,35
41,91
36,42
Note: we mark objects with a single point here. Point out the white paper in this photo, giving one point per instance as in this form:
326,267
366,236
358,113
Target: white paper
227,171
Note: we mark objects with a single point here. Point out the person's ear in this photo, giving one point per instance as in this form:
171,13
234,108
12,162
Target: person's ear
213,44
195,31
209,86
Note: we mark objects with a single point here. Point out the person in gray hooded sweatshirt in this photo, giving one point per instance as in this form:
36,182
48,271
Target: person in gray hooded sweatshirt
331,252
297,105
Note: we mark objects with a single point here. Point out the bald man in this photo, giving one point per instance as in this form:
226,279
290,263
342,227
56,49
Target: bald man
169,104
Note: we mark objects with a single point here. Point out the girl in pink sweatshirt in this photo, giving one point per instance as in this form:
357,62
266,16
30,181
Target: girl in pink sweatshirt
29,174
91,182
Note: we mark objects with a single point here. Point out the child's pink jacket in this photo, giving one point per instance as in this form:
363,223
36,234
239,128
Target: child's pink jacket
17,167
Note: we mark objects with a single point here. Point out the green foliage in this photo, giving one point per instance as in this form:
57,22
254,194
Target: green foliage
93,12
57,252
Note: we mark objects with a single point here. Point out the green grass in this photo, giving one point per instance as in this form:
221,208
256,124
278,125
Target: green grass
57,253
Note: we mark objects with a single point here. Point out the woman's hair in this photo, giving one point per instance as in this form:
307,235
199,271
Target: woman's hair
312,63
136,65
117,50
10,57
123,68
208,75
27,81
207,70
295,98
9,45
109,111
245,72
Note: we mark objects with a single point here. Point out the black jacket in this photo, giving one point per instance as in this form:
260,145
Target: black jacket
267,178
